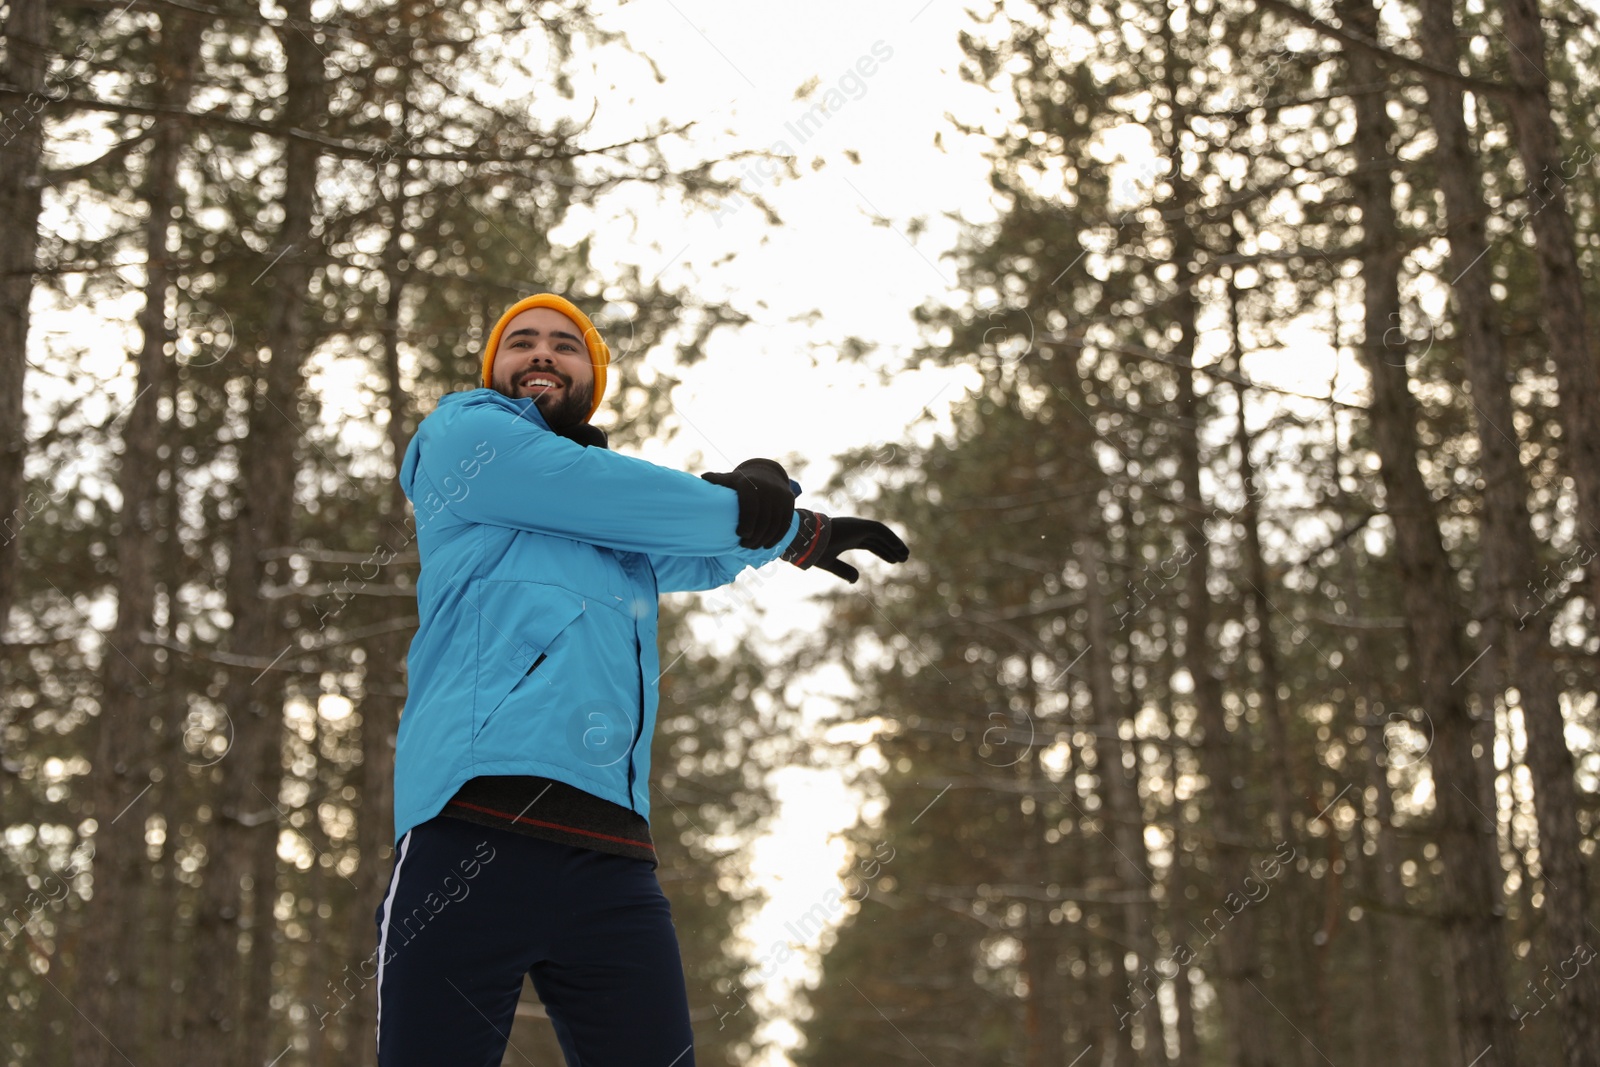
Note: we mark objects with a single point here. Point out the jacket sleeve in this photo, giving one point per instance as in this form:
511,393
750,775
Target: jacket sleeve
487,465
677,574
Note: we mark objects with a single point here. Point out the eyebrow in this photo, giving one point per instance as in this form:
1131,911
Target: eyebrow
535,333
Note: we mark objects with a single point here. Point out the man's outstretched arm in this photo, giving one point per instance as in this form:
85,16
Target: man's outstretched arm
539,480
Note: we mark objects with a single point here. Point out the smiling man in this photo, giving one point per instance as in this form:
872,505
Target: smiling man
523,756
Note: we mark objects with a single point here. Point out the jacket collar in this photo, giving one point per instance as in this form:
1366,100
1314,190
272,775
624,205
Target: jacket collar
525,408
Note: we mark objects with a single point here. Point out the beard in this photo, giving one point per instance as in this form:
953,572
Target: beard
567,409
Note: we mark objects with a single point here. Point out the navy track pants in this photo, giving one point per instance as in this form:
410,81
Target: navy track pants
470,909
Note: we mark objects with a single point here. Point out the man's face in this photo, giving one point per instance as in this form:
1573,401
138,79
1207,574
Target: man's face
542,355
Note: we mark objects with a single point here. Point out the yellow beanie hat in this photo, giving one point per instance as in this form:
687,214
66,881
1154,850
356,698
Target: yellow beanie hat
599,354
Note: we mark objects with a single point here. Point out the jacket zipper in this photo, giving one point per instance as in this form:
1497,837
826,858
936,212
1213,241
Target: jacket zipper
638,653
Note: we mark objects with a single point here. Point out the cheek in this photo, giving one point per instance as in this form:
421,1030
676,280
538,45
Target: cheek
581,371
505,368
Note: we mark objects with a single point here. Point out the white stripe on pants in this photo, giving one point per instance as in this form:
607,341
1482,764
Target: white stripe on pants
383,936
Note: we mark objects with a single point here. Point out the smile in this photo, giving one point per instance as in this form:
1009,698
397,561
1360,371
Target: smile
541,381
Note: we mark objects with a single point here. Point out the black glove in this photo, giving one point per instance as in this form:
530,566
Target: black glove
586,435
844,533
766,500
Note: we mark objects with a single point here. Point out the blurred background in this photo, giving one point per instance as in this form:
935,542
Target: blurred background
1232,370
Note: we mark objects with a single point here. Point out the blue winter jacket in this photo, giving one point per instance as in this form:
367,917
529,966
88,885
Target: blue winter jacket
542,559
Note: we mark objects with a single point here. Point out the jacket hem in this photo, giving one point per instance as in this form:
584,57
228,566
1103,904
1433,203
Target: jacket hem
424,812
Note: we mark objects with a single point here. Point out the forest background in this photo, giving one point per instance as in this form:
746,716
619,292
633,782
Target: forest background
1232,370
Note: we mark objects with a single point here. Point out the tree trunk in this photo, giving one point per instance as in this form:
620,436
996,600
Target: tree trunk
1175,905
1304,973
1189,1053
1123,810
1468,889
1239,985
177,795
383,695
126,749
1394,973
1132,1003
1560,281
1507,544
1042,1011
231,1015
1247,1043
27,61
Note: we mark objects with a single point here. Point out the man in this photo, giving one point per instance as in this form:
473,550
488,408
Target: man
522,765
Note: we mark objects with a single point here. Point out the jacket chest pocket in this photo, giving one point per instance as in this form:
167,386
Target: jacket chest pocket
517,624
